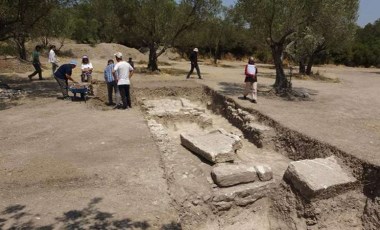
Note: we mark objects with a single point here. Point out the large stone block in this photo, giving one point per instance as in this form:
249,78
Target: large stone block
229,174
319,178
217,146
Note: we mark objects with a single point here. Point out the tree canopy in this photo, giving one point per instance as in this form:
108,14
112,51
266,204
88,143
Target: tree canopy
304,31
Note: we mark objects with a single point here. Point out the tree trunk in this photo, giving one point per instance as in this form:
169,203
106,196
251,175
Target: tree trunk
310,64
152,65
20,43
281,81
302,67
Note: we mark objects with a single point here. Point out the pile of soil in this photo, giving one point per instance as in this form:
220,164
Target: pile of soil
102,51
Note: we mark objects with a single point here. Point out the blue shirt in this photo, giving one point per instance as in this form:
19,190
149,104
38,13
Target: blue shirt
63,70
108,73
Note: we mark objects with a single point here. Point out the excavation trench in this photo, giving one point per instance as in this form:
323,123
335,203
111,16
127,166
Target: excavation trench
273,204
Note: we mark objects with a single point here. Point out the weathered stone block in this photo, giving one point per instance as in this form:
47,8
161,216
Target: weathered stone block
264,172
228,174
243,194
217,146
319,178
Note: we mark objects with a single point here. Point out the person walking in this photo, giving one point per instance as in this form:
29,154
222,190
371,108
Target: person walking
62,75
123,72
53,59
250,80
111,83
194,63
36,63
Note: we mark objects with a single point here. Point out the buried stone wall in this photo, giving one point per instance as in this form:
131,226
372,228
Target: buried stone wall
295,146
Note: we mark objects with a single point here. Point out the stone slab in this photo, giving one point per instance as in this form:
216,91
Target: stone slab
319,178
241,195
264,172
225,175
217,146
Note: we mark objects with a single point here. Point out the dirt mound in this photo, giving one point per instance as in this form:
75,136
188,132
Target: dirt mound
103,51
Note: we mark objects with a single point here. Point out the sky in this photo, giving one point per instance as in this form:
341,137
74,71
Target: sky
369,11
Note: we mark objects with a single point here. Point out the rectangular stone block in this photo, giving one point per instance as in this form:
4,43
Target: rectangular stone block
228,174
217,146
319,178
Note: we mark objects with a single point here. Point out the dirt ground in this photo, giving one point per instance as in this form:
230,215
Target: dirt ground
70,165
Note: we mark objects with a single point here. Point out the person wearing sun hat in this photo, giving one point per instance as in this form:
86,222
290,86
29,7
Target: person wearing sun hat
122,73
86,68
62,75
194,63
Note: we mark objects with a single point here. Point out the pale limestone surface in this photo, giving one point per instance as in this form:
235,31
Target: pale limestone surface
319,178
225,175
216,146
264,172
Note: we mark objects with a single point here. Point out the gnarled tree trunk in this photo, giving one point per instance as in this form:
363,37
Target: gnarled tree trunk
152,64
281,81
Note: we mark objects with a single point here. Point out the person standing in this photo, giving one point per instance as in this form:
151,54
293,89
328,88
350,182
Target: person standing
194,63
53,59
36,63
62,75
111,83
250,80
123,72
131,62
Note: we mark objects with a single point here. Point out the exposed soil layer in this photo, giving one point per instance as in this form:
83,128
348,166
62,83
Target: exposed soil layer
281,207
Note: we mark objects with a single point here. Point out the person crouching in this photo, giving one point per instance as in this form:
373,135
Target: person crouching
62,75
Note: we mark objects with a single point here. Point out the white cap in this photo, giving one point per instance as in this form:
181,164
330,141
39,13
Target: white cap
195,49
118,55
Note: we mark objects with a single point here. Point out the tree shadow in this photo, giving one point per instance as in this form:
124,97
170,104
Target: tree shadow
89,217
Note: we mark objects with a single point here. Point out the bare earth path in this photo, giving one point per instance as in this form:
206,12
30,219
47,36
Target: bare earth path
63,165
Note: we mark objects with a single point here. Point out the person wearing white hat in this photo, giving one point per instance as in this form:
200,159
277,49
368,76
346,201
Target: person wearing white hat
86,68
62,75
123,72
194,63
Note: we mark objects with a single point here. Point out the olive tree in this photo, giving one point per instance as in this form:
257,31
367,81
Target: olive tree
274,22
160,22
330,25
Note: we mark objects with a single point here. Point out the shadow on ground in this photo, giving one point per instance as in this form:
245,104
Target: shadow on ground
297,93
33,90
90,217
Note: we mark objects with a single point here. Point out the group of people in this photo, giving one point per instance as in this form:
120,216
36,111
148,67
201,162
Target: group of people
117,76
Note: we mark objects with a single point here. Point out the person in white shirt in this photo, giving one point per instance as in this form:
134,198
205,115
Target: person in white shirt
86,68
123,72
53,58
250,80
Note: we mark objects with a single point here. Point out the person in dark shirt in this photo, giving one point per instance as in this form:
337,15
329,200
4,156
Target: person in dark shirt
62,75
131,62
194,63
36,64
